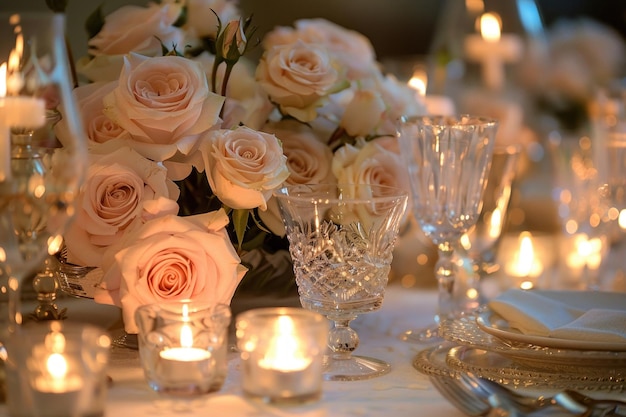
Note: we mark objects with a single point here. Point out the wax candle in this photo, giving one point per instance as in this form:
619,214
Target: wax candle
15,112
525,264
493,49
435,104
184,363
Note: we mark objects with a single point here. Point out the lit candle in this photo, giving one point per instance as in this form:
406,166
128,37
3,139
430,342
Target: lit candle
493,49
15,112
285,353
435,104
56,379
587,252
184,363
525,264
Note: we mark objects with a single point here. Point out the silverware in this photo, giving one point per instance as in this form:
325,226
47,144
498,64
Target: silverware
497,395
462,398
587,406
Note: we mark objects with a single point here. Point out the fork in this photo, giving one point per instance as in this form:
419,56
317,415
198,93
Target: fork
457,393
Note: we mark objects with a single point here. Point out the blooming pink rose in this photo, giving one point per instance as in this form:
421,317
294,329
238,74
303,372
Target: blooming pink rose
297,77
171,258
112,200
308,158
369,163
138,29
244,166
351,49
164,103
363,114
308,161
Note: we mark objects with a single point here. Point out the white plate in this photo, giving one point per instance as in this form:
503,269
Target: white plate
495,325
465,331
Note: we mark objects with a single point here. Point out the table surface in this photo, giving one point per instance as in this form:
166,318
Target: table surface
403,391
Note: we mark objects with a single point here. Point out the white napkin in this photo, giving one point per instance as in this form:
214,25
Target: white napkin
577,315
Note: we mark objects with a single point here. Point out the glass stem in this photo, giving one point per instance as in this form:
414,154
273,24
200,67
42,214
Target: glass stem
445,271
342,339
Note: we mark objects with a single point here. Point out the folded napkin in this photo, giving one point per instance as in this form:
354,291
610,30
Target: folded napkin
577,315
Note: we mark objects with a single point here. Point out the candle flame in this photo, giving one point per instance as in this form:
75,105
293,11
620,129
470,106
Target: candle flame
495,223
285,351
526,254
418,82
490,27
186,336
56,366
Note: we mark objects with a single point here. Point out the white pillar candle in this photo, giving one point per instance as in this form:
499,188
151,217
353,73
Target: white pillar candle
15,112
493,50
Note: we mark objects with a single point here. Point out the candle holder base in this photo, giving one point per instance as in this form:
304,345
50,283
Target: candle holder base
353,368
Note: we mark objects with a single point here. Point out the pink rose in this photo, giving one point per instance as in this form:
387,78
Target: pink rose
244,166
119,191
164,103
138,29
297,77
171,258
369,163
308,158
350,48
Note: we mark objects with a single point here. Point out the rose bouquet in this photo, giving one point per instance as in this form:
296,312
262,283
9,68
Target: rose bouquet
188,139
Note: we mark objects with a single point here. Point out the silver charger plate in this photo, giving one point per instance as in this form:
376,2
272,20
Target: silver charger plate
466,332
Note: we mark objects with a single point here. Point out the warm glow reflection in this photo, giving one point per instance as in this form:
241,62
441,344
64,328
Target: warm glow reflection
587,252
56,365
495,223
490,27
621,220
525,262
418,81
285,352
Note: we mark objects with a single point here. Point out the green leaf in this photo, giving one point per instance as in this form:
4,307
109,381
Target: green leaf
240,223
94,22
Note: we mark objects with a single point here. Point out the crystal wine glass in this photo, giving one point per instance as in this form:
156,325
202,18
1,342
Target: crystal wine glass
341,239
448,160
40,170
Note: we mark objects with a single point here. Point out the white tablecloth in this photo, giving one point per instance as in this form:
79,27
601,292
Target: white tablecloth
403,391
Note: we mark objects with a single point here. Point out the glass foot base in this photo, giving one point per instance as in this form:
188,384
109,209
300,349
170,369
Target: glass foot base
426,336
353,369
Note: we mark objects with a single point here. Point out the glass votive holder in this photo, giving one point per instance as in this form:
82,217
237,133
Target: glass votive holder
57,369
282,352
183,346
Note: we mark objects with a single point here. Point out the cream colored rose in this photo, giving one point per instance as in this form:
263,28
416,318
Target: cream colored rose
308,161
164,103
308,158
369,163
400,100
353,49
171,258
138,29
363,114
131,29
112,200
298,77
244,166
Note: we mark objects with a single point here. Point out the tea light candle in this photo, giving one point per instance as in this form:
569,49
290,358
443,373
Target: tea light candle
57,387
282,354
493,49
285,353
185,363
525,265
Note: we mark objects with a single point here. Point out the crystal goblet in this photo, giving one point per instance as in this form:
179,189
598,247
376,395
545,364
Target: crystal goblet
448,160
40,170
341,239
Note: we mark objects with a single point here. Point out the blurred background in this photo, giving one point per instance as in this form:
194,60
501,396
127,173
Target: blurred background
395,27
